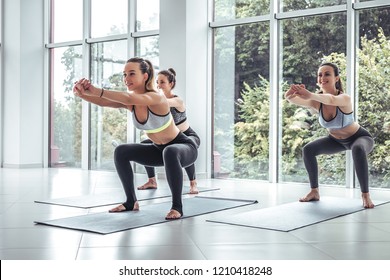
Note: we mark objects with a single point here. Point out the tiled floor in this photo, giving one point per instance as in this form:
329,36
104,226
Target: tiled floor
362,235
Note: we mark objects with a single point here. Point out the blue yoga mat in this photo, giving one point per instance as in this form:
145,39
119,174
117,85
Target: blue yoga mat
291,216
106,222
114,197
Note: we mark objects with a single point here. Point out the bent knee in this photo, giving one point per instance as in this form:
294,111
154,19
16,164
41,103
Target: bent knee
171,151
359,150
118,151
122,152
309,150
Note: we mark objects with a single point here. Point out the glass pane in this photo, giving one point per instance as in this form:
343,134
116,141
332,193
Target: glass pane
241,101
147,47
373,92
63,29
148,15
294,5
108,17
324,40
108,125
65,113
232,9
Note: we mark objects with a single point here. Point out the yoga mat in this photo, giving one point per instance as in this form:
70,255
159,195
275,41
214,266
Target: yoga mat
114,197
291,216
106,222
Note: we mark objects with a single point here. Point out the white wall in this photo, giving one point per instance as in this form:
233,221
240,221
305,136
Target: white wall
23,83
184,47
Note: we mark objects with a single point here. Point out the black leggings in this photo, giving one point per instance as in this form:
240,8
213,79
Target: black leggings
180,152
190,170
361,143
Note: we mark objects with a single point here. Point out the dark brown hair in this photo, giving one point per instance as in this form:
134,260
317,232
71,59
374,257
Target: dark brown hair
336,70
170,74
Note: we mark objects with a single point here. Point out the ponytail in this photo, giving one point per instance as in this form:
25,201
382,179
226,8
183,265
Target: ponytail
170,74
146,67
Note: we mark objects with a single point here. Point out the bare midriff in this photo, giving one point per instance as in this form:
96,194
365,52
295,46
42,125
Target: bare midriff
165,136
344,132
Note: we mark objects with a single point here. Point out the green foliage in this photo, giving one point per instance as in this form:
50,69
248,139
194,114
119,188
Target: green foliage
301,57
251,134
66,120
374,100
309,4
307,41
68,60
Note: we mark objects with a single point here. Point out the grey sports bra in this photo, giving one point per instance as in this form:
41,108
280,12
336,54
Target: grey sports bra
341,119
154,123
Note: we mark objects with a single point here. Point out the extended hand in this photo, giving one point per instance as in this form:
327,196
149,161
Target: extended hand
302,92
294,91
84,87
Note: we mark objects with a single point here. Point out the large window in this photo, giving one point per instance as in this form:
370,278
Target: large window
255,57
259,47
83,134
65,148
241,96
65,109
373,89
108,125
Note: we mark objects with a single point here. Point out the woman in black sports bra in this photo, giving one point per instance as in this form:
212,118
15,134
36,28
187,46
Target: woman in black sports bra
166,81
169,148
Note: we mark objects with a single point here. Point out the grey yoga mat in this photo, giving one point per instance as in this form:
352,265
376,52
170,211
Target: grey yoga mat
291,216
114,197
106,222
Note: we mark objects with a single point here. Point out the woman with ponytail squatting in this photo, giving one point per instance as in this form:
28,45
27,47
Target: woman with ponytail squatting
335,114
150,111
166,81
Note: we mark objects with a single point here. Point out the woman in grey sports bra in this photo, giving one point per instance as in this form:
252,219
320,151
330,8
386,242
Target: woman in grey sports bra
169,148
336,115
166,82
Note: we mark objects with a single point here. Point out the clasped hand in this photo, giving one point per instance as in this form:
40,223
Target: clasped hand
298,91
84,87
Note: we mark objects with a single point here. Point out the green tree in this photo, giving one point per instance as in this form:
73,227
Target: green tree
374,100
67,113
251,135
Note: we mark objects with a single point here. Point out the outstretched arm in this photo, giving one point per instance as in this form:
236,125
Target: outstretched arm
340,100
80,89
115,98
